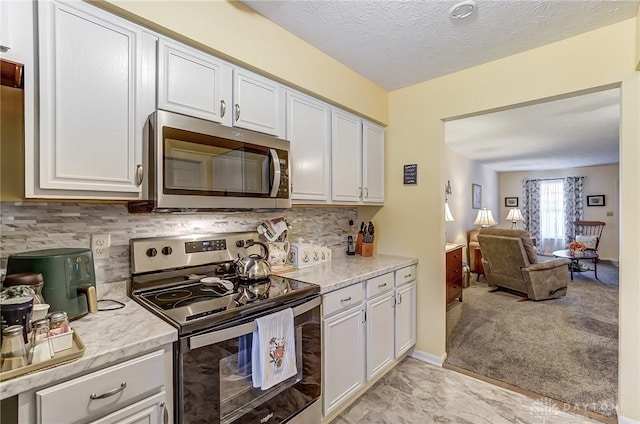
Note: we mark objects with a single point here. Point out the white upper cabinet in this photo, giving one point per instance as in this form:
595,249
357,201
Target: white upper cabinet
194,83
357,149
259,103
308,130
373,163
97,88
346,155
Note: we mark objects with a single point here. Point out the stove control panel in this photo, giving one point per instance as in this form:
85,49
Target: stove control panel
163,253
205,246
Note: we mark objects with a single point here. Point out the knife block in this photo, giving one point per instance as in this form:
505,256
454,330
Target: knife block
367,249
359,240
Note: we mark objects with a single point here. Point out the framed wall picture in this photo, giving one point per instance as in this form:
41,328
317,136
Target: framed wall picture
511,202
476,196
595,200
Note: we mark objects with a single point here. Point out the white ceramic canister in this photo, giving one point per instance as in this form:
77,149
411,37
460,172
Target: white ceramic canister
300,255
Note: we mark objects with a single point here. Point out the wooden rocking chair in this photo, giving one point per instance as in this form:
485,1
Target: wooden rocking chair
590,228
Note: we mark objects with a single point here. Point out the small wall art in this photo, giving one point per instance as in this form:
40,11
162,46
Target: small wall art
476,196
597,200
410,175
511,202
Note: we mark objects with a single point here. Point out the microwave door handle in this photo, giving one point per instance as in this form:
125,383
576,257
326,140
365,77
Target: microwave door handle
275,161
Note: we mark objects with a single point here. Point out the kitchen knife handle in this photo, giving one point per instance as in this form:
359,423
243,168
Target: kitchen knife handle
237,112
223,108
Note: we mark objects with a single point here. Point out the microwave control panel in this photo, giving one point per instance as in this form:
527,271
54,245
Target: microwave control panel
283,191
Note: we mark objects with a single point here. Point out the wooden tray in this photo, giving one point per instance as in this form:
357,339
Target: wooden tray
76,351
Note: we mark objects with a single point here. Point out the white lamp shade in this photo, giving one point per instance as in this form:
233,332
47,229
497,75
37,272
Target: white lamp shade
515,215
447,213
484,218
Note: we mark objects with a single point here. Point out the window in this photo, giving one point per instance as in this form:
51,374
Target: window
551,215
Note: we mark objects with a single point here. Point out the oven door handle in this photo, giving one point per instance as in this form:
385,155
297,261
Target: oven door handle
202,340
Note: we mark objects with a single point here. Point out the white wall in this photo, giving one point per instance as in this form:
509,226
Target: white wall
599,180
462,172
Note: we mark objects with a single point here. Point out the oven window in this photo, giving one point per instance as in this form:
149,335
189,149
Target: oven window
217,383
204,164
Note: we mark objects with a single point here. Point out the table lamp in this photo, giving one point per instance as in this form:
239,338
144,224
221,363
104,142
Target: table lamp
515,216
484,218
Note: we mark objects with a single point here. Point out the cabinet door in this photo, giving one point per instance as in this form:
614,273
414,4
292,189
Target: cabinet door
346,155
94,74
380,330
373,163
343,352
194,83
259,103
405,318
151,410
308,123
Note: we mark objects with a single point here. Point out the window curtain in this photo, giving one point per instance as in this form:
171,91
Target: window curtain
552,216
531,207
573,205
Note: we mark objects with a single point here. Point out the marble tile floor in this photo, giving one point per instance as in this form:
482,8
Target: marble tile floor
420,393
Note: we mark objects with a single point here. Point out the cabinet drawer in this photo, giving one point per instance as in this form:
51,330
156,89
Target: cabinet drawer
78,399
454,264
342,299
405,275
378,285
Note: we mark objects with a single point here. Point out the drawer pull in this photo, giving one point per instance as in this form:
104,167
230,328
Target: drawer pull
346,299
382,285
407,275
111,392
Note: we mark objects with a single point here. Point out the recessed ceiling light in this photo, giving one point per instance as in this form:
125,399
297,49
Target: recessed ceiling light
463,9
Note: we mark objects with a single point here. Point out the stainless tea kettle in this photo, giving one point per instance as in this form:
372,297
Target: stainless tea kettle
254,267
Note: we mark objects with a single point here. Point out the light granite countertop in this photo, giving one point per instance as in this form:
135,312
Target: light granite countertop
109,337
343,272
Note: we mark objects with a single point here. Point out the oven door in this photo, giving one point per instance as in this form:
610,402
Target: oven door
214,382
202,164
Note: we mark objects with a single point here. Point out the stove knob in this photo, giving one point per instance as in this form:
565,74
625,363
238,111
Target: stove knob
151,252
167,250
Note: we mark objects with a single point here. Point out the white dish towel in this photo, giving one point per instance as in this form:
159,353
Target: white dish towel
273,351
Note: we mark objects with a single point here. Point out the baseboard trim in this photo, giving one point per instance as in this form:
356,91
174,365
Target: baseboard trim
428,358
625,420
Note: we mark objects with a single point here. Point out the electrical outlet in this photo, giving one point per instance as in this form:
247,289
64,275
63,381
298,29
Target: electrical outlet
100,244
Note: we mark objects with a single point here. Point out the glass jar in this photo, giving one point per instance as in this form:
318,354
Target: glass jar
41,346
58,323
13,352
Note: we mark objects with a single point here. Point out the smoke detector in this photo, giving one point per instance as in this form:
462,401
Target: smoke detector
462,10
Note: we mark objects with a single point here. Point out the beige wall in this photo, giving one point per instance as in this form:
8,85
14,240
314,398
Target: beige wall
241,35
411,222
599,180
462,172
638,40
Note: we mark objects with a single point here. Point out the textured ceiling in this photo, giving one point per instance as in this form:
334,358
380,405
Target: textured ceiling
400,43
578,131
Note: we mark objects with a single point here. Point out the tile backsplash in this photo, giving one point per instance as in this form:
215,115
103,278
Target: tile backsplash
34,226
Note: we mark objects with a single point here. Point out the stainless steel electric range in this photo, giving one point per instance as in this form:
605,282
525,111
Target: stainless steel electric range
190,282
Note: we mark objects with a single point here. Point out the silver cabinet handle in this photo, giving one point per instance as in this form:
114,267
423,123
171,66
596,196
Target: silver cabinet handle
366,192
223,108
360,192
165,413
346,299
407,275
237,112
399,298
382,285
111,392
139,174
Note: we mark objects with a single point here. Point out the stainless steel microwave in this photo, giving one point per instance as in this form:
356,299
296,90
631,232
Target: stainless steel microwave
198,165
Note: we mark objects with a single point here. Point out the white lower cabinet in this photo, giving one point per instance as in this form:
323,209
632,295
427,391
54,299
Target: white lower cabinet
130,392
366,327
380,329
405,321
343,346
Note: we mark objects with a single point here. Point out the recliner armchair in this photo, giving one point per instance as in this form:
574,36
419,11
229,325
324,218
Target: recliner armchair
510,261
